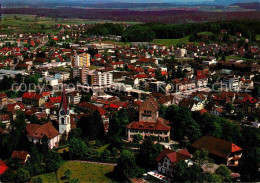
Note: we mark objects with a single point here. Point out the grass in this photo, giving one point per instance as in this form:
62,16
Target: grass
173,42
206,33
101,149
237,58
115,42
258,37
48,177
86,172
25,21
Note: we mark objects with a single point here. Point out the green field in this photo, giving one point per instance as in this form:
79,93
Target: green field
238,58
173,42
258,37
21,23
48,177
85,172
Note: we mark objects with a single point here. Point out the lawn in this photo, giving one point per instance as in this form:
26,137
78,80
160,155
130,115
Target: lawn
258,37
48,177
172,42
24,21
237,58
85,172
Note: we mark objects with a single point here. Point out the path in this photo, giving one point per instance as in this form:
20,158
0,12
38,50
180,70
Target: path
95,162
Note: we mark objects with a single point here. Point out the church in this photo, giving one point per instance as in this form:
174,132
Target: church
37,132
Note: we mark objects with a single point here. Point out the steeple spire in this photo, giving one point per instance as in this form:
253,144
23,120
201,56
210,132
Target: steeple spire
64,104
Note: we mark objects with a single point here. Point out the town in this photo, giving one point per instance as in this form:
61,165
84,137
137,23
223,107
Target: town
111,102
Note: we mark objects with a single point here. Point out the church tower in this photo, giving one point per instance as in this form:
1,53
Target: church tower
64,114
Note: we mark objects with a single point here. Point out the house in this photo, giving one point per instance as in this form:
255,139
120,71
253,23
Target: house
5,119
216,110
18,106
36,133
3,167
33,99
222,151
74,97
23,156
193,105
149,124
168,158
3,98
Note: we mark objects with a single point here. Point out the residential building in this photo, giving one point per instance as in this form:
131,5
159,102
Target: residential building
80,60
99,78
3,98
23,156
168,158
230,83
149,124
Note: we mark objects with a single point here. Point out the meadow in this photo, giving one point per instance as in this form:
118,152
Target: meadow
85,172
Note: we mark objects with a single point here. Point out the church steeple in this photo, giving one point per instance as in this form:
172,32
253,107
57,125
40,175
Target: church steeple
64,104
64,114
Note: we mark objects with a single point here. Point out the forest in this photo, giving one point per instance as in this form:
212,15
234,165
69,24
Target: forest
149,31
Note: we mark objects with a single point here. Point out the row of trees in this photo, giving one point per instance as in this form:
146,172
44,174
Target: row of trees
148,32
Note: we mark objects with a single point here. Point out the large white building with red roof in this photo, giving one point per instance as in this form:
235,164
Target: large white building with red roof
149,124
36,133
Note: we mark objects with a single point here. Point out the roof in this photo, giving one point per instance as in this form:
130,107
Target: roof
22,155
145,125
55,99
174,156
64,103
216,146
32,96
3,167
39,131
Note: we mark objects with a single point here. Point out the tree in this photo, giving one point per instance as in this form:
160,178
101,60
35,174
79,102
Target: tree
180,172
182,123
22,175
92,126
37,180
75,133
147,154
6,83
229,107
8,176
52,160
249,163
105,154
67,174
77,148
137,138
256,92
224,172
126,167
202,157
210,177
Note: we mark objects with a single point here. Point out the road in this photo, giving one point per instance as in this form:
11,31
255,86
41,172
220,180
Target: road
95,162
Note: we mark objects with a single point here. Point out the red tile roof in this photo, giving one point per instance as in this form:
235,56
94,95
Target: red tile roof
143,125
3,167
174,156
22,155
39,131
55,99
216,146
